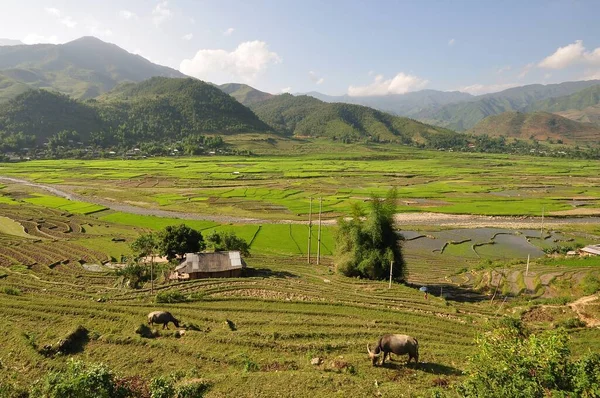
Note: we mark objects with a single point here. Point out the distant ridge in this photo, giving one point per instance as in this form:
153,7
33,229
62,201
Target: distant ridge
538,126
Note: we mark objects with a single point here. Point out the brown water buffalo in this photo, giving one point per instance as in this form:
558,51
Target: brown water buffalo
162,317
399,344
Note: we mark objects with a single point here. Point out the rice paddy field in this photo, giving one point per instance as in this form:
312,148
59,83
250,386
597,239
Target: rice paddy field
279,187
257,335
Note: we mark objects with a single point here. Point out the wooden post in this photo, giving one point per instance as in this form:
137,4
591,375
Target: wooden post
542,229
152,275
309,228
391,267
319,233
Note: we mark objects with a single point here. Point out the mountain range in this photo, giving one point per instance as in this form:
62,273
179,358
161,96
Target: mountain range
121,88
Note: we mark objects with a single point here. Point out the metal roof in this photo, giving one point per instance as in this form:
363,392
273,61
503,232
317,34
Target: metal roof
592,249
211,262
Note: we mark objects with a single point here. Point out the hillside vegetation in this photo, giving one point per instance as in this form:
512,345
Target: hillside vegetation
244,94
579,100
539,126
306,116
465,115
83,68
159,109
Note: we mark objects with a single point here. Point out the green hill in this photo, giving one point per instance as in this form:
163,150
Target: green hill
579,100
464,115
43,113
539,126
244,94
83,68
159,109
591,114
306,116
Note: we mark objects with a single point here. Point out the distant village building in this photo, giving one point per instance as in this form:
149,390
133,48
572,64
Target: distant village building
591,250
210,265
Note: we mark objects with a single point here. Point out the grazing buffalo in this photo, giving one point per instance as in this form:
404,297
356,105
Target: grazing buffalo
399,344
162,317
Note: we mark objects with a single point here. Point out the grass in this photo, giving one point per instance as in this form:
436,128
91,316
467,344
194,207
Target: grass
10,227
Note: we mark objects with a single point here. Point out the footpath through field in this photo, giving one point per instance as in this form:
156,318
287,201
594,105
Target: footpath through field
437,219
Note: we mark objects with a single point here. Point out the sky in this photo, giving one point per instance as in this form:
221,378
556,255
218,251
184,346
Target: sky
337,47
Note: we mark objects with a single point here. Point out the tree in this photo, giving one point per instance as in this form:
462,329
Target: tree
365,247
144,246
511,362
227,240
175,241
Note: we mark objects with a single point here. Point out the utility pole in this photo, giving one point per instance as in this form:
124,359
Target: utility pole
309,228
542,230
391,267
527,269
152,275
319,233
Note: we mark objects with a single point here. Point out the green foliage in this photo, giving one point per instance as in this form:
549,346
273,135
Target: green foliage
12,291
226,241
79,380
571,323
590,284
170,297
145,245
178,240
510,362
192,389
162,387
134,274
366,248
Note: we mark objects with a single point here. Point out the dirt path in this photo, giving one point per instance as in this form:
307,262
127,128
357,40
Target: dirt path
579,305
436,219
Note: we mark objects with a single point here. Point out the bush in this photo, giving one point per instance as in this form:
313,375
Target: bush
80,380
571,323
590,284
145,331
170,296
510,362
226,241
192,389
366,248
162,387
12,291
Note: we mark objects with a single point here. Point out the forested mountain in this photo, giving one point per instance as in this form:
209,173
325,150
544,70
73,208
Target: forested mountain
409,104
83,68
307,116
159,110
579,100
244,94
464,115
537,126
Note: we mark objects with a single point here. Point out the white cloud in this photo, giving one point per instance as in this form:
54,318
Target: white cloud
161,13
592,75
95,30
478,89
245,63
188,37
229,32
400,84
315,78
53,11
286,89
68,22
128,15
503,69
526,69
34,38
451,42
547,76
571,54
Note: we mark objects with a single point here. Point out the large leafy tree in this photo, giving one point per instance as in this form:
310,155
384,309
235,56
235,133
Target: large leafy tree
227,240
367,242
175,241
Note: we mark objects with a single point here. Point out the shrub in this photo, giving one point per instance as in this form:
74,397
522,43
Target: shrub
192,389
80,380
12,291
162,387
170,296
366,248
226,241
145,331
590,284
571,323
586,376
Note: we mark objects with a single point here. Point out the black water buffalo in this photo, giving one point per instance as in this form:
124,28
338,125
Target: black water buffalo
399,344
162,317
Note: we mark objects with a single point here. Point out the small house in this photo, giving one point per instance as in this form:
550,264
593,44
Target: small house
210,265
591,250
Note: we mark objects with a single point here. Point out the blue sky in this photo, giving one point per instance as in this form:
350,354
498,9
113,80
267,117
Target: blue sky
334,46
